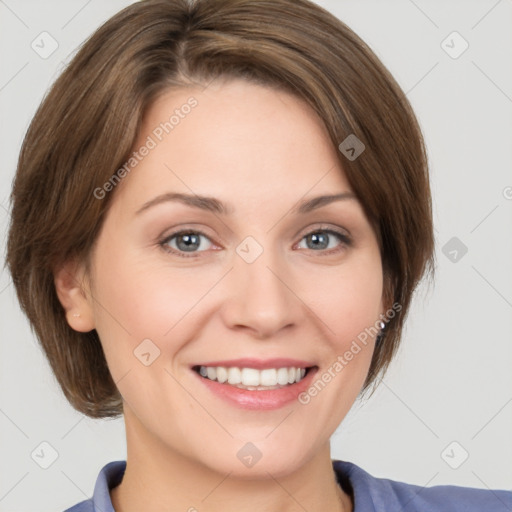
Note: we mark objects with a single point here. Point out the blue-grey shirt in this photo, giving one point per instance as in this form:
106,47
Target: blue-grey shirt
370,494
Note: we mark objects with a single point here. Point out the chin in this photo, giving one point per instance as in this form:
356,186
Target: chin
248,461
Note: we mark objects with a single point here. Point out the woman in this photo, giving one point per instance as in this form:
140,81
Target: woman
220,214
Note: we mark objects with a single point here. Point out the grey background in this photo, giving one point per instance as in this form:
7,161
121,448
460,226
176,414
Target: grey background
452,380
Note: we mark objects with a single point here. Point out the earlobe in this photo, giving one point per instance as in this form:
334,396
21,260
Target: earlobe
74,296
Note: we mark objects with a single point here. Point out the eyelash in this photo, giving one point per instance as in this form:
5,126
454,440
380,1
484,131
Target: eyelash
345,241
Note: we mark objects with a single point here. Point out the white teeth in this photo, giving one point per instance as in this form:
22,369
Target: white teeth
268,377
211,373
282,376
222,374
253,378
234,375
250,377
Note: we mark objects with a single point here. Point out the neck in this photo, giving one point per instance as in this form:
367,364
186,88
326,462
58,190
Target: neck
157,478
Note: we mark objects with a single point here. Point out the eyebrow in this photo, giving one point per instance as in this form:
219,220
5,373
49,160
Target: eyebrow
214,205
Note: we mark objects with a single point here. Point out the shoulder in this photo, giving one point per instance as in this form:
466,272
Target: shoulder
373,494
110,475
83,506
449,498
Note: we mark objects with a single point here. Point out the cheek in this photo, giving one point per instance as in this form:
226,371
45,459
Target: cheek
139,299
144,297
350,299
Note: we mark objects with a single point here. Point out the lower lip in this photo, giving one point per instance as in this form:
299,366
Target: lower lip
262,399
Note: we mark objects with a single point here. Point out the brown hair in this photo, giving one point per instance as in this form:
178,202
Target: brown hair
86,127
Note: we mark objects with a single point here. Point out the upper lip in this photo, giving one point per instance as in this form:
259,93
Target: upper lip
259,364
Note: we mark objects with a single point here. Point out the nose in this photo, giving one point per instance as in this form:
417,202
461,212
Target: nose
260,297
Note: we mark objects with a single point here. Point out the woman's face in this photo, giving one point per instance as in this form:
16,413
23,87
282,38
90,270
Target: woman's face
258,278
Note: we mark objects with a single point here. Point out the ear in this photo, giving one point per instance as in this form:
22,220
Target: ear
71,285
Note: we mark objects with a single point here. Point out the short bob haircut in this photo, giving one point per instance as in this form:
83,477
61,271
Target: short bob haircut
87,125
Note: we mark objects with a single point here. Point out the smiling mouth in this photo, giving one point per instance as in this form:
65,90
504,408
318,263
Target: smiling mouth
253,379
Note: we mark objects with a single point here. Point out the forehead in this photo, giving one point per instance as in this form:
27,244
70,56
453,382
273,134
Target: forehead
236,139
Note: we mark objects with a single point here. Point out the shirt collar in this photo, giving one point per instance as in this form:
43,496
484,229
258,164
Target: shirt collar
110,476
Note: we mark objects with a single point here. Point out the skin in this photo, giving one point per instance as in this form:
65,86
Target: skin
261,151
